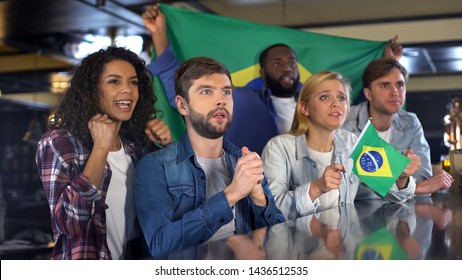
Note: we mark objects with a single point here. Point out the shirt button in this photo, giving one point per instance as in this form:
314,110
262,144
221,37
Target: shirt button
222,220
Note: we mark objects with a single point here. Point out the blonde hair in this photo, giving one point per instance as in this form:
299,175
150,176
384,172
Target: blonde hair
301,123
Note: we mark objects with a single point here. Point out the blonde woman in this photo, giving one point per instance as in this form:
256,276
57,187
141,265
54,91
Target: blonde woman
308,169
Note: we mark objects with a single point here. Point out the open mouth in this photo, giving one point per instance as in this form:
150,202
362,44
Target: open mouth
287,80
220,115
336,114
123,104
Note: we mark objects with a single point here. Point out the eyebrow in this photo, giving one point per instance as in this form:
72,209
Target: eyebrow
280,58
400,82
119,76
342,92
211,87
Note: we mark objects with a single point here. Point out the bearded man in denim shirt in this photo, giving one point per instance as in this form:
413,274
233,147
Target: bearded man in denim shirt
201,187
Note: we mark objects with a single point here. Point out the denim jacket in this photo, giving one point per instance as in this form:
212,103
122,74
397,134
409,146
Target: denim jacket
407,134
170,189
290,170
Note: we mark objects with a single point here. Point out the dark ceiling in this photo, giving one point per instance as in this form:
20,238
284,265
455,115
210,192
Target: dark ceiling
36,37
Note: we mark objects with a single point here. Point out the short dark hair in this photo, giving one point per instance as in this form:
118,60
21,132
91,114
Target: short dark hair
381,67
196,68
264,53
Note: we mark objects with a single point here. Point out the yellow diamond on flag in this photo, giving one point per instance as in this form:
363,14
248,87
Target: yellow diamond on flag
242,77
374,251
373,161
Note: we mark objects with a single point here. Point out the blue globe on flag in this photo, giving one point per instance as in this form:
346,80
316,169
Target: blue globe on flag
371,161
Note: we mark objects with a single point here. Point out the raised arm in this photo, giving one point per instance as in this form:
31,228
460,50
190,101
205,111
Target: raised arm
165,64
393,49
154,20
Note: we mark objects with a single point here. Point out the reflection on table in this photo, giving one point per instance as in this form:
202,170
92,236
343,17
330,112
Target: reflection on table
25,231
427,228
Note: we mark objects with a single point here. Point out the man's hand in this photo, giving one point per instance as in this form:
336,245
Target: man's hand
410,169
155,22
158,131
257,194
441,180
247,174
154,19
393,49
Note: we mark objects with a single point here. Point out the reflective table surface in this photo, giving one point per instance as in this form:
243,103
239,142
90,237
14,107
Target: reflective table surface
426,228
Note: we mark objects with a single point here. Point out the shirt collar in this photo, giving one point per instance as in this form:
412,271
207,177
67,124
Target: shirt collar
186,151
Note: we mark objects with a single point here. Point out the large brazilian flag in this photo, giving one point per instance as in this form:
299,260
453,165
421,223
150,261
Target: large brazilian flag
238,44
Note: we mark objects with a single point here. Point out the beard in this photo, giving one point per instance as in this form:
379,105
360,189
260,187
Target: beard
206,129
277,89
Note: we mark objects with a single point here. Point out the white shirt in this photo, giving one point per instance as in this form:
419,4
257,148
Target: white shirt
328,199
285,109
386,135
120,216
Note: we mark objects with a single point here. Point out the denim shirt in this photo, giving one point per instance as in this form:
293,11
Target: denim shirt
255,120
290,169
170,189
407,134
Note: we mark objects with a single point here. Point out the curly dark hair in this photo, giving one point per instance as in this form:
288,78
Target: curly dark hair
80,101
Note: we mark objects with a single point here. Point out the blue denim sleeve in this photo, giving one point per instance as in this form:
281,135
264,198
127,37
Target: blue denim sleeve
166,224
421,147
165,67
267,215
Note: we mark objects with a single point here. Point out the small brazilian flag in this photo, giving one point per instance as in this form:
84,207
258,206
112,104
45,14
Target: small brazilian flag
381,245
376,162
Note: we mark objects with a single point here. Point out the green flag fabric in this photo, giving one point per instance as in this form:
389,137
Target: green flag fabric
376,162
238,44
381,245
168,114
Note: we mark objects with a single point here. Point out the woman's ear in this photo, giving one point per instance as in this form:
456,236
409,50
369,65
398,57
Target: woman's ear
304,109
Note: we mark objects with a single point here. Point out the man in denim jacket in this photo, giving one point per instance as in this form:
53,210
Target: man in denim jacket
201,187
384,82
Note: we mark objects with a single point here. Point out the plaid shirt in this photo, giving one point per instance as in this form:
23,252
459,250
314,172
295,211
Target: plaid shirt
77,207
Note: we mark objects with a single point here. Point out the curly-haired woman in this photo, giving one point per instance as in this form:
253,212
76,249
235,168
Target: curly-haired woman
104,123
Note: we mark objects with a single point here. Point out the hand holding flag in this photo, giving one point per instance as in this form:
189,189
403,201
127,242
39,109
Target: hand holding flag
412,167
372,157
